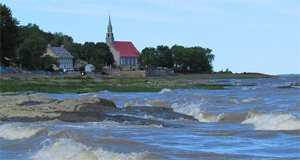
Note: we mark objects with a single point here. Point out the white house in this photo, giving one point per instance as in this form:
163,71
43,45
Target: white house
89,68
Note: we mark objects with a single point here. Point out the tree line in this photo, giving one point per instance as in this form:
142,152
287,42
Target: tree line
25,46
182,59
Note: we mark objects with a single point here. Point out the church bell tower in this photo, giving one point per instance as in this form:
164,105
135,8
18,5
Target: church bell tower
109,35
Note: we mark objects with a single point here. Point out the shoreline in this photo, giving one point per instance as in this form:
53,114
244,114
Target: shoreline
188,75
82,84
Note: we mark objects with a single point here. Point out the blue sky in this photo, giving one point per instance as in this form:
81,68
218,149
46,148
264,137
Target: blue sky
245,35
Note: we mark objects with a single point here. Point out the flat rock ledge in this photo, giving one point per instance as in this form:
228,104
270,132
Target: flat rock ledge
26,108
38,108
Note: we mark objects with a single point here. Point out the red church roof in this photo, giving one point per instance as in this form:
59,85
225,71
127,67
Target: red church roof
126,49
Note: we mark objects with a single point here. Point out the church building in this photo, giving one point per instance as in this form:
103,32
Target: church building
124,52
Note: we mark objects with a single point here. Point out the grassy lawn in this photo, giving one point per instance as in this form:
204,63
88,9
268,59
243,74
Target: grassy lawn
88,84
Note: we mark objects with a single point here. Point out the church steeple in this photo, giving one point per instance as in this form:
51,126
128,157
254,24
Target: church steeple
109,35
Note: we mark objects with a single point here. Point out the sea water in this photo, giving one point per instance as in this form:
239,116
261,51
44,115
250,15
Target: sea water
255,119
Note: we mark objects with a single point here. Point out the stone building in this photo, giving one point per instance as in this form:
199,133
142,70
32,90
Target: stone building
124,52
65,59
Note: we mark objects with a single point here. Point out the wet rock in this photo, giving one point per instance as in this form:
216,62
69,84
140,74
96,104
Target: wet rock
285,87
157,112
30,103
77,116
36,108
88,109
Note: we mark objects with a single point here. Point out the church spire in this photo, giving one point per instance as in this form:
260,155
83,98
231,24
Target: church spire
109,35
109,21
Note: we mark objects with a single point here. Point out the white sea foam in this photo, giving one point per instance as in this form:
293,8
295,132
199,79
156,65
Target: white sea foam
165,90
233,101
17,131
128,104
195,110
69,149
279,121
131,104
248,88
157,102
250,100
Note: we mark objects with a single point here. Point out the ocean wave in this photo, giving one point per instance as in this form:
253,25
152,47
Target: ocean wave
165,90
233,101
248,88
17,131
196,110
128,104
157,102
131,104
278,121
70,149
250,100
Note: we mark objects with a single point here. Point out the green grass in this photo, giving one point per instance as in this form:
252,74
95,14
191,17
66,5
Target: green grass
88,84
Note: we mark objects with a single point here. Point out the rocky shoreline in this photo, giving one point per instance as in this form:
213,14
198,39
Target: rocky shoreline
27,108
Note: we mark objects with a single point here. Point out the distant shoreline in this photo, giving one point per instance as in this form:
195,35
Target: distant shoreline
83,84
204,76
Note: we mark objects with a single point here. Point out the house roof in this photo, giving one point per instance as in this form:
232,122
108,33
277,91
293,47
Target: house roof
90,65
126,49
61,52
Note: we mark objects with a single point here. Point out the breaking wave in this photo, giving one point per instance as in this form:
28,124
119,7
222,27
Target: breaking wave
233,101
157,102
17,131
195,110
69,149
165,90
250,100
278,121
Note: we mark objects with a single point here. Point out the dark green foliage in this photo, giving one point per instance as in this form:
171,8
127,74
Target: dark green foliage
148,58
31,51
97,54
183,60
165,56
48,62
227,71
9,34
200,60
31,42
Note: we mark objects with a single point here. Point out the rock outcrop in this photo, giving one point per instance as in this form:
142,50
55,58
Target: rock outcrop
88,109
43,108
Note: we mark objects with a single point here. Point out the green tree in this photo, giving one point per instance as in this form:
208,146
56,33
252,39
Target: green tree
105,53
9,34
48,62
30,29
97,54
75,49
201,60
57,40
181,56
165,56
31,51
148,58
